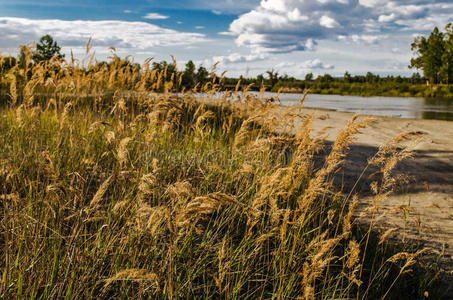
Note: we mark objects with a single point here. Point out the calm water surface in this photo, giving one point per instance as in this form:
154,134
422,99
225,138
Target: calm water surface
418,108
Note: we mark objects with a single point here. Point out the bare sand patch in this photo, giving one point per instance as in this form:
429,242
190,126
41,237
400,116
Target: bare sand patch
420,209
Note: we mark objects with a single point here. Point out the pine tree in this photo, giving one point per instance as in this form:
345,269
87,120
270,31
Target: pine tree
202,75
430,53
188,77
447,57
46,49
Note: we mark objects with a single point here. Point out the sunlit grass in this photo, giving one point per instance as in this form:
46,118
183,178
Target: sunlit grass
111,186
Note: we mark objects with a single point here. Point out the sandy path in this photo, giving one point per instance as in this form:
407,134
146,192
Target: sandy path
421,210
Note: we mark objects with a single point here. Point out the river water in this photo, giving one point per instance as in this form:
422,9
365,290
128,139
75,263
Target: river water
403,107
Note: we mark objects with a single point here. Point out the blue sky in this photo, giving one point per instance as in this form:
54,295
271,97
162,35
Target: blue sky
247,37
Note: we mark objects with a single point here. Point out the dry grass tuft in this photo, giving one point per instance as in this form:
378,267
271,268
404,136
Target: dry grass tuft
101,191
115,185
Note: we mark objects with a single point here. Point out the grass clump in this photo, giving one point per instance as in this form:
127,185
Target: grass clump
109,190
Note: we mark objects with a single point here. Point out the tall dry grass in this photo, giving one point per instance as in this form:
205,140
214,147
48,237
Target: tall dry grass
113,186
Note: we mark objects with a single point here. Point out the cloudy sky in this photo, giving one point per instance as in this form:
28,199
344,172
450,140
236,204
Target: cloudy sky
247,37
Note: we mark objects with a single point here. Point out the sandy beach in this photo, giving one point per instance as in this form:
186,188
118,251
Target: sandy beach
422,208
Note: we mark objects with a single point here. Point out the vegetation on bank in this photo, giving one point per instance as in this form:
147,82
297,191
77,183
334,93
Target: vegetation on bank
359,85
433,56
113,187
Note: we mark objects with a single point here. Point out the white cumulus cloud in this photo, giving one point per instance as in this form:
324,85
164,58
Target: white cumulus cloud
387,18
155,16
73,34
277,26
311,65
315,64
328,22
366,39
238,58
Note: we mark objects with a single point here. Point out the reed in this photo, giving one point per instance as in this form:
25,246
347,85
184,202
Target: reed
112,186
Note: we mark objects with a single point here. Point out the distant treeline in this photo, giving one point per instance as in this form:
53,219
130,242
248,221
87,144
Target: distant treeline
193,77
364,85
434,58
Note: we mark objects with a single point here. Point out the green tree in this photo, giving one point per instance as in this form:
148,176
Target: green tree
430,52
202,75
188,77
370,77
309,77
159,66
326,78
347,77
46,49
416,78
169,69
446,70
259,80
419,46
273,77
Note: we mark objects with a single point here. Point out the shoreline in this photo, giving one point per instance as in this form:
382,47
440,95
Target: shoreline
403,95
